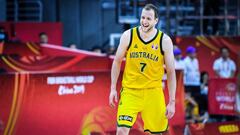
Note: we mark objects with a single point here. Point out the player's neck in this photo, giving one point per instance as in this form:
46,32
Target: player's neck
224,58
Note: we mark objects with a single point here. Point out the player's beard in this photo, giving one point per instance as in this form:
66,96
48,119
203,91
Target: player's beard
148,29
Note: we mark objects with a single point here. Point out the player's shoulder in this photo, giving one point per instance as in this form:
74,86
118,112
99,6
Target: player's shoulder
166,43
166,37
126,38
128,32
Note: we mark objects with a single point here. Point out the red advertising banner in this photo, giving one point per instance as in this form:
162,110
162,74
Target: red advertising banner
21,49
53,64
222,96
64,104
25,58
208,49
223,128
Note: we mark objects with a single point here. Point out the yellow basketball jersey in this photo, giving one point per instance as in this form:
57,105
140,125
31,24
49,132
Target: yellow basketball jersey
144,62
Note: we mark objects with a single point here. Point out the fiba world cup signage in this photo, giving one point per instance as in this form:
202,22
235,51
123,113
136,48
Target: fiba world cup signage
222,96
70,84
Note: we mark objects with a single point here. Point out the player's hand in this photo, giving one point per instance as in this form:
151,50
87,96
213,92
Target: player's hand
170,109
113,97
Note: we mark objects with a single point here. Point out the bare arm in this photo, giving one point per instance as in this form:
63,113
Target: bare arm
233,69
120,54
170,67
171,75
216,69
217,73
232,74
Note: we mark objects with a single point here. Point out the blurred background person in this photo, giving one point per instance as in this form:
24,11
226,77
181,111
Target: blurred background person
97,49
43,38
224,67
179,63
191,72
192,78
204,82
191,109
72,46
204,92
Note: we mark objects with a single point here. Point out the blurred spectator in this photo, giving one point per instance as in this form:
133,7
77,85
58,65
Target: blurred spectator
204,82
43,38
191,72
179,63
96,49
224,67
3,35
192,109
193,112
72,46
204,92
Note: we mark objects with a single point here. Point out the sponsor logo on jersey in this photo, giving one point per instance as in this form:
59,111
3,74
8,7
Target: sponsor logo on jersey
135,46
125,118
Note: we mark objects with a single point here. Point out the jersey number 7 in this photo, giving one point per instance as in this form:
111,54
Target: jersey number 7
143,65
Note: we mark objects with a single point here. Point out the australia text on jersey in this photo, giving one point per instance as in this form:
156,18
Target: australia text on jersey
144,55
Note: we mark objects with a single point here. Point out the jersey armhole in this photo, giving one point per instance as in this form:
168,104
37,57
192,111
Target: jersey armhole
130,42
161,49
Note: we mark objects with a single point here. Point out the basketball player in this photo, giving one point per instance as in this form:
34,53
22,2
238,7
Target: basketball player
146,49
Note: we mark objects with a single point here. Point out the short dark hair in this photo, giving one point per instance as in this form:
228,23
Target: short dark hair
152,7
42,33
221,50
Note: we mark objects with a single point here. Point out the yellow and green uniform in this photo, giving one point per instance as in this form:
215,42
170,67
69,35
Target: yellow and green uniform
142,84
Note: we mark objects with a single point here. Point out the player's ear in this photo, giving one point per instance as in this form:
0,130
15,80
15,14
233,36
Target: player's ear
156,20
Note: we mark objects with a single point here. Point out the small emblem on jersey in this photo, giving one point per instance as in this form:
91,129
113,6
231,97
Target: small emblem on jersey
120,103
135,46
154,47
125,118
